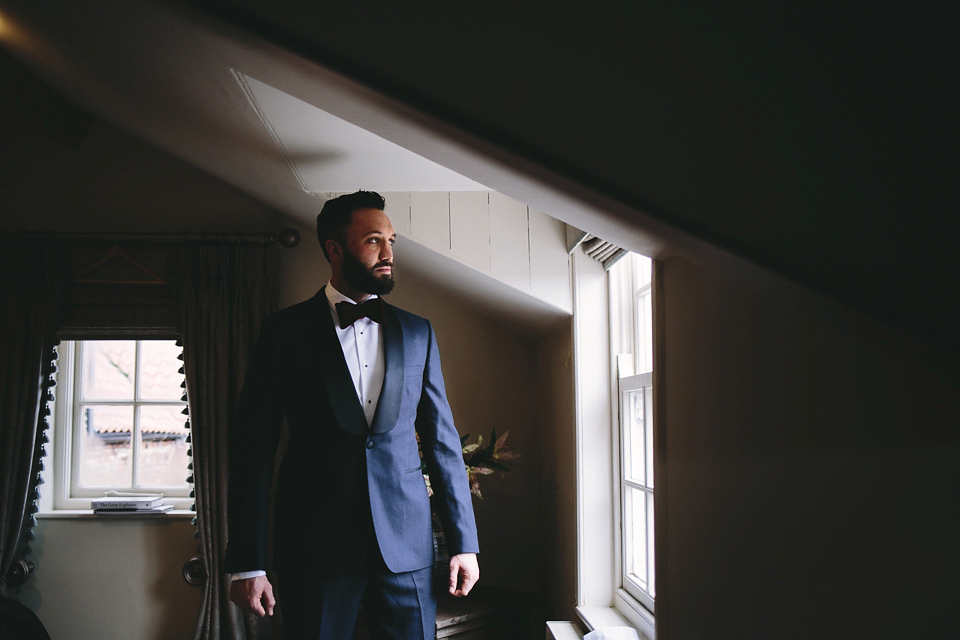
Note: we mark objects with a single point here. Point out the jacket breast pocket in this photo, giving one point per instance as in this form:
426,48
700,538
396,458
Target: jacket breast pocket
413,383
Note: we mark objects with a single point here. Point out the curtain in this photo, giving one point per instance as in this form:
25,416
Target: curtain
226,290
30,276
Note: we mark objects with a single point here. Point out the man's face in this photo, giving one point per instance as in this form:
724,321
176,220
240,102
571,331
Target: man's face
368,256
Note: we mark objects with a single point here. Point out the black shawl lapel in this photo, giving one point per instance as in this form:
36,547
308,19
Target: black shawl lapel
388,407
333,369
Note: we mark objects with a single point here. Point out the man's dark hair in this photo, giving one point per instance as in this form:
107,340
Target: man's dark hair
334,217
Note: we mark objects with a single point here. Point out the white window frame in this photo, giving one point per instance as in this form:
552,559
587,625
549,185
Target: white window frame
601,330
67,495
631,343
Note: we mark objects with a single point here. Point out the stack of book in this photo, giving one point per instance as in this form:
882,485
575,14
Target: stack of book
141,504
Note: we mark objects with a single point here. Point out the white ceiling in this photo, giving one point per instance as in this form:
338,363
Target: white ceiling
329,154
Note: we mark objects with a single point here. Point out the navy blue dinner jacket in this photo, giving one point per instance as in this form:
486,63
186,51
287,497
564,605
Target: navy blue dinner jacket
343,486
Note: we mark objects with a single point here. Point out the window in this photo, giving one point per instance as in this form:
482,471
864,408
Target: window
632,344
119,421
613,385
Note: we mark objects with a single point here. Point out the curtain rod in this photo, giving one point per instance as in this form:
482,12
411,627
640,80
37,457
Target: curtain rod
288,237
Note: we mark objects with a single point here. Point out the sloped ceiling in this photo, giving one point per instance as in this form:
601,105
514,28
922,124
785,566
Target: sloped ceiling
208,99
330,155
819,144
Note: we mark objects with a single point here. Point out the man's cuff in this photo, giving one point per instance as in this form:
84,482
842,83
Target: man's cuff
243,575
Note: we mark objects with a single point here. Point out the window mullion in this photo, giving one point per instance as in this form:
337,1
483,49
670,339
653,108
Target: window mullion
636,485
135,429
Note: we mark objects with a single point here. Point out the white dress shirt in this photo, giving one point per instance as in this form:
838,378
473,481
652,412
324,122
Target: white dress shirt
362,345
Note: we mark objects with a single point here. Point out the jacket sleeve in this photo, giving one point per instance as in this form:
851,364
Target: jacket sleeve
254,435
440,444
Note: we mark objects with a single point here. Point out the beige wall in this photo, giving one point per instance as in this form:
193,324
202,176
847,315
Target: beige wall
114,579
558,479
810,477
114,183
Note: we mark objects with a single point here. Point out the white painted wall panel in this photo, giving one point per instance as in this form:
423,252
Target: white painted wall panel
398,210
549,262
430,219
113,578
470,228
509,241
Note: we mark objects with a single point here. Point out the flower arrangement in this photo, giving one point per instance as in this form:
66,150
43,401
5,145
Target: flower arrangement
481,460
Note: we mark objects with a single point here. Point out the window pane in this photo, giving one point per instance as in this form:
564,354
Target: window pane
648,434
163,447
108,369
160,378
635,436
105,451
645,325
651,575
642,269
635,536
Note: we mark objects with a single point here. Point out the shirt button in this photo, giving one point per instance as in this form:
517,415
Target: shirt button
369,444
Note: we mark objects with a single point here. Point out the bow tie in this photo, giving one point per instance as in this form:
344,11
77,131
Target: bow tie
350,313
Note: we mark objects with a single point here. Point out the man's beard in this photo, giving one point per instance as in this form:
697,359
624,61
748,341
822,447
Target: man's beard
364,279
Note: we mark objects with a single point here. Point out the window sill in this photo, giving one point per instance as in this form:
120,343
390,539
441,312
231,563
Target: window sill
601,617
560,630
67,514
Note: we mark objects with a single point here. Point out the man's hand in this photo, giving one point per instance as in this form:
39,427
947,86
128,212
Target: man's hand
464,573
254,595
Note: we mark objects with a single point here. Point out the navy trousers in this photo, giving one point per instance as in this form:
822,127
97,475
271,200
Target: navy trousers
398,606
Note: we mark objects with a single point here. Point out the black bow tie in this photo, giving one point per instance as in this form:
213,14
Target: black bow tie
350,313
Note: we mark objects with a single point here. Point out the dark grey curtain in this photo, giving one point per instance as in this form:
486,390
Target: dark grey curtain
30,275
226,290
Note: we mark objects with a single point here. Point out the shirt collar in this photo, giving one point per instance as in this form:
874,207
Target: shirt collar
334,296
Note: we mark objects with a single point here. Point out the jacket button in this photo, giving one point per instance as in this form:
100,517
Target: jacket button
369,444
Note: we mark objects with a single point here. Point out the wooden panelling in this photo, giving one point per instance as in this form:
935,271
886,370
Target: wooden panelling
398,209
549,262
430,219
509,241
470,228
494,235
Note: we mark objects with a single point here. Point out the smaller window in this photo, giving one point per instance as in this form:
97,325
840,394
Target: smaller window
632,344
119,421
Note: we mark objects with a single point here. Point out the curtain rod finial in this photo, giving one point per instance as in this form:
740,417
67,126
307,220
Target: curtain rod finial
289,238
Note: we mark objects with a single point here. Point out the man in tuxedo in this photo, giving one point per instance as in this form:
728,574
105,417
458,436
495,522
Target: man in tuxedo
357,380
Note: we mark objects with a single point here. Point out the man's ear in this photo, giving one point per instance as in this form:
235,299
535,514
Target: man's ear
333,248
